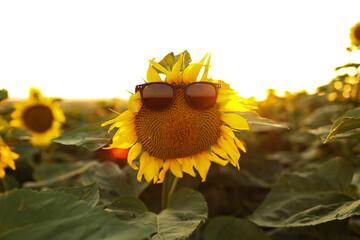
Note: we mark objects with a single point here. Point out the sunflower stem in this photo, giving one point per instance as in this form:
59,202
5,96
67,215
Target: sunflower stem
173,186
4,185
165,191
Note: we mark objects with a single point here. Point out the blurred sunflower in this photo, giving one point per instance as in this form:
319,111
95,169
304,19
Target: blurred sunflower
355,35
41,116
7,158
181,131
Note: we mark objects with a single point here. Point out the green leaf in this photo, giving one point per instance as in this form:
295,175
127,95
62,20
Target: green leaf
325,115
48,176
114,181
27,214
260,124
3,94
89,193
187,209
348,122
229,228
91,137
311,197
170,59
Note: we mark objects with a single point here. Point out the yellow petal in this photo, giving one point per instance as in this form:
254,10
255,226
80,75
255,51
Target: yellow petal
143,163
175,167
160,68
176,75
166,167
239,144
206,70
159,163
235,121
219,151
152,75
150,171
124,141
231,151
188,166
202,165
2,173
233,106
135,102
217,160
191,73
134,152
126,115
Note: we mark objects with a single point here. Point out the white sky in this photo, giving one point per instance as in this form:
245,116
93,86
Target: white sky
98,49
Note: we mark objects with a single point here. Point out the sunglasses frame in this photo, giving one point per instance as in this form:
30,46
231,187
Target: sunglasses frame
141,87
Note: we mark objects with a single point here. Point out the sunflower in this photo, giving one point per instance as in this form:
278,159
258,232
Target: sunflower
7,158
355,34
181,138
41,116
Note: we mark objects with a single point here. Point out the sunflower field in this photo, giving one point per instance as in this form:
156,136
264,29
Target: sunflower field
166,164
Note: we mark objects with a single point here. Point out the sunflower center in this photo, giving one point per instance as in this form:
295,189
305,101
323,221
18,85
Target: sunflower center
38,118
179,131
357,33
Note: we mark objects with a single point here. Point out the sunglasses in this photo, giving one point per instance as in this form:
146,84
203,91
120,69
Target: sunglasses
159,96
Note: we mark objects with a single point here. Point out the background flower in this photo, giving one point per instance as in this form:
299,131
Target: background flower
41,116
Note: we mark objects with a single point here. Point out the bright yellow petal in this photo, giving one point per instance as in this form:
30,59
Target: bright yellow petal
161,68
135,102
166,167
143,163
239,144
150,171
152,75
204,77
159,163
191,73
124,141
176,75
217,160
219,151
202,165
188,166
57,112
17,123
175,167
235,121
2,173
231,151
134,152
233,106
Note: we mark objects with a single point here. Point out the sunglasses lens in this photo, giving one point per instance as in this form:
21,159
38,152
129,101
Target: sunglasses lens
201,95
157,96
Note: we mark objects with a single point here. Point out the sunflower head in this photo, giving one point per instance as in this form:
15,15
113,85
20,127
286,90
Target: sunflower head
41,116
7,158
355,35
186,133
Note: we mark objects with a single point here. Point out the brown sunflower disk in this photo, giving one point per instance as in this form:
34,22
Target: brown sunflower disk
38,118
179,131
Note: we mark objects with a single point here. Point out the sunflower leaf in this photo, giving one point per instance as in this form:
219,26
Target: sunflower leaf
91,137
228,228
187,209
113,181
309,197
49,176
350,121
89,193
42,215
170,59
260,124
